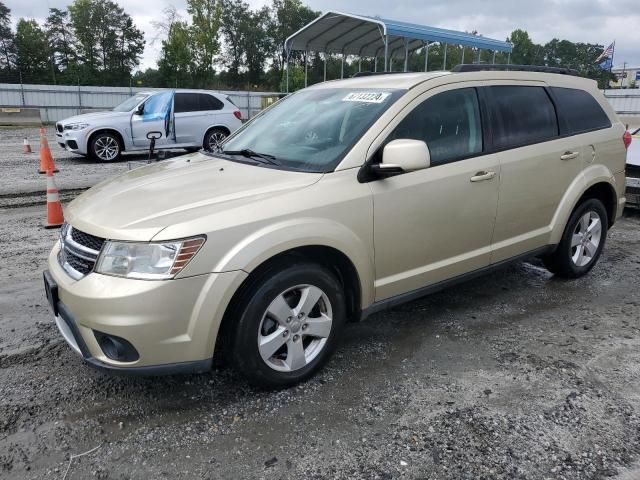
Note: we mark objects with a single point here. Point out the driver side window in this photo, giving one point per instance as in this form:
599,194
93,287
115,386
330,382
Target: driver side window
449,123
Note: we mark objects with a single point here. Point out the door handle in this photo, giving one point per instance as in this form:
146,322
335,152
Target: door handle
569,155
480,176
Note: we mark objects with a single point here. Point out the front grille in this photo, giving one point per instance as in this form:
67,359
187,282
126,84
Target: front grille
59,127
79,251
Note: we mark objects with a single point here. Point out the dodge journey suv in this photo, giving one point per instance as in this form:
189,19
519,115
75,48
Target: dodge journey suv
340,200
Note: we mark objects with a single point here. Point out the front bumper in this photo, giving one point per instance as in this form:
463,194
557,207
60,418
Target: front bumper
172,324
74,141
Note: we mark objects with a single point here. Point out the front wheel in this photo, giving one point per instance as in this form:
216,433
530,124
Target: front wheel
290,323
105,147
582,241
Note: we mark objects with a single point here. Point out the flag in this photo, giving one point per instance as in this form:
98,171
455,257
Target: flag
606,65
607,53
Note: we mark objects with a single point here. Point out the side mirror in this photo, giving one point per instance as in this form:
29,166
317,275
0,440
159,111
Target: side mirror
403,156
139,110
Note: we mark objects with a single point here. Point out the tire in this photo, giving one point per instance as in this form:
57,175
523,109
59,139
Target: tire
582,241
192,149
213,138
105,147
272,315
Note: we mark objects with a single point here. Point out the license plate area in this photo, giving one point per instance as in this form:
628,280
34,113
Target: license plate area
51,290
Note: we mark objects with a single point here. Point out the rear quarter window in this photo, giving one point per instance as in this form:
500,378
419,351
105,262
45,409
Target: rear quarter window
521,115
209,102
579,110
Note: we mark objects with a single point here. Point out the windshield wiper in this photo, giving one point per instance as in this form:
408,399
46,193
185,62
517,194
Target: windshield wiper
247,152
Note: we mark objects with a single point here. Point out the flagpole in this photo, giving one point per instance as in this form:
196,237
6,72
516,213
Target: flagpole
613,52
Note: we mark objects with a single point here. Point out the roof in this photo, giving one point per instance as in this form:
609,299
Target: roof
395,81
336,32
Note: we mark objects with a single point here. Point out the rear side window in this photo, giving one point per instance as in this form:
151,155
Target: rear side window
209,102
185,102
449,123
580,111
521,116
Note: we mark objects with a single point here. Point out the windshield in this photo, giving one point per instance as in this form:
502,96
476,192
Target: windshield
130,103
313,129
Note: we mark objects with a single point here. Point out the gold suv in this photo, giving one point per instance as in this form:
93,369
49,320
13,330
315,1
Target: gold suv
338,201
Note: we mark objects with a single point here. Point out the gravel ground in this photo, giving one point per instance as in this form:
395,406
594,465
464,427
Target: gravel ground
516,375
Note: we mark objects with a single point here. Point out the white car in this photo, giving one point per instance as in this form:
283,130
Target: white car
190,119
633,169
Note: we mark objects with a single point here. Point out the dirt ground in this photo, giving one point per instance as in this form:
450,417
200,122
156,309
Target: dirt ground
516,375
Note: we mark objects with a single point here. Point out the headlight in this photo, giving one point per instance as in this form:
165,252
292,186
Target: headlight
76,126
147,261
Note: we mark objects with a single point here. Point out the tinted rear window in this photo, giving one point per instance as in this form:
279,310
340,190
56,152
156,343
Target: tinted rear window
580,110
209,102
521,116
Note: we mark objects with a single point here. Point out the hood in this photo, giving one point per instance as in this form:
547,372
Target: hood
142,202
94,116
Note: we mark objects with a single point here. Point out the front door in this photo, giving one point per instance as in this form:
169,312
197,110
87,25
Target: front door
156,115
435,224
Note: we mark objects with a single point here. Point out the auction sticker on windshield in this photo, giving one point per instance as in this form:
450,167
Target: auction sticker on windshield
366,97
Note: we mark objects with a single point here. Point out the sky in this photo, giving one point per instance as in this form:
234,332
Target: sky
591,21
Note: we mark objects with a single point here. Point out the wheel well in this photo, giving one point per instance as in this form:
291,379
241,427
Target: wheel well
607,195
217,127
329,257
109,130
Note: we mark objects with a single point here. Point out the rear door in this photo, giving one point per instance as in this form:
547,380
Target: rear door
156,115
537,165
195,113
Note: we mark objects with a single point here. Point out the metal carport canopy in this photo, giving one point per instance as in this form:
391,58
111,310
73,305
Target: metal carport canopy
336,32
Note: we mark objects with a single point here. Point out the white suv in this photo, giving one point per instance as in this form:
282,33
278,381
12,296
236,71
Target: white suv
191,119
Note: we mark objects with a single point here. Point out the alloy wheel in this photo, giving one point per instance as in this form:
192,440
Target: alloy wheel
295,328
586,238
106,148
215,140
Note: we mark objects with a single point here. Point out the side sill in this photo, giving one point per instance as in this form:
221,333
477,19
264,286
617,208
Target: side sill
436,287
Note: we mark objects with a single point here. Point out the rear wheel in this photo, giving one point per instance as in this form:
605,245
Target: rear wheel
105,147
582,241
214,138
290,323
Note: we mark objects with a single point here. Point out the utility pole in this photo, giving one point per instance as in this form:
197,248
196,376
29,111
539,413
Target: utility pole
624,74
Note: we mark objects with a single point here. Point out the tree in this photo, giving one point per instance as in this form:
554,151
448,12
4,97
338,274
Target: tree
7,39
256,45
60,40
108,44
176,60
285,18
32,52
525,52
205,21
235,26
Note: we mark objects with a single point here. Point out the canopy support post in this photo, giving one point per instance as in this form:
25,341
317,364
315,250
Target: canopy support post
306,53
426,57
375,64
386,53
286,67
462,61
509,59
406,54
342,67
494,58
444,64
325,67
359,64
479,53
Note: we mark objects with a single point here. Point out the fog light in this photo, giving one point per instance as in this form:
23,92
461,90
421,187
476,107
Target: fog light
116,348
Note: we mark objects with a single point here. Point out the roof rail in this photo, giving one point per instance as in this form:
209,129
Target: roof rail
479,67
369,74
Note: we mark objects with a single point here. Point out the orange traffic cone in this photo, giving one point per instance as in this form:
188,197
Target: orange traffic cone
46,159
55,218
26,146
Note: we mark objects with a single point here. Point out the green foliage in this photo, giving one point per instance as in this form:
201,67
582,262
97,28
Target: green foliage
32,52
7,40
205,24
176,61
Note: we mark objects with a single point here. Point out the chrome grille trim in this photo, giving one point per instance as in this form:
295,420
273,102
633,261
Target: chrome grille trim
76,259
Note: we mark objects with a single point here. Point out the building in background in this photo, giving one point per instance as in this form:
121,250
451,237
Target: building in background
627,76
